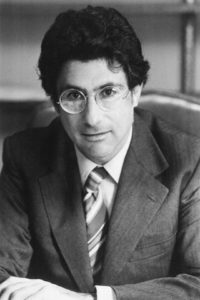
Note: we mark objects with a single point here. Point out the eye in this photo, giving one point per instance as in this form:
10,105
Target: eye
72,95
109,91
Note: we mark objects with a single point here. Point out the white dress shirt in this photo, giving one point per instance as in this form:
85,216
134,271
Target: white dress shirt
108,188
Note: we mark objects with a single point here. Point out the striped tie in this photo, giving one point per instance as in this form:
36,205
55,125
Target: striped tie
96,218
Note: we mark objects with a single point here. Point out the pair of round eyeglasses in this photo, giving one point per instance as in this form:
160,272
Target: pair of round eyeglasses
74,101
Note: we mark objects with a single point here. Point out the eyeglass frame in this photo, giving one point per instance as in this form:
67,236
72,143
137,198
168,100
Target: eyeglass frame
86,97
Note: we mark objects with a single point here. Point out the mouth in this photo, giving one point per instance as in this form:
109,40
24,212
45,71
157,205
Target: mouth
97,136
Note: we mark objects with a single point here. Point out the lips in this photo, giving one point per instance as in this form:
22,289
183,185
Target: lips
95,136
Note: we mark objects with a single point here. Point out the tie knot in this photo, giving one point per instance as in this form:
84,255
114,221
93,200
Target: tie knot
95,178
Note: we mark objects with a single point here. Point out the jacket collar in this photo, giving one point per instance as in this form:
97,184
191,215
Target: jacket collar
139,197
62,194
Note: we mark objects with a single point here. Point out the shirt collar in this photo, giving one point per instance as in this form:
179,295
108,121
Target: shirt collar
113,167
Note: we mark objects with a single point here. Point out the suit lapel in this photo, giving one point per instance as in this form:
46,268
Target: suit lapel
138,198
61,191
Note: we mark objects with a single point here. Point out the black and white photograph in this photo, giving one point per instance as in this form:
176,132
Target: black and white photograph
99,149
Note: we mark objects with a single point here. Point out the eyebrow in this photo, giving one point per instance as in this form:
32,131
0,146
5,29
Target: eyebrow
71,86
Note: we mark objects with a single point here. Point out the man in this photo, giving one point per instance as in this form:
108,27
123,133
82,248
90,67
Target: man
105,202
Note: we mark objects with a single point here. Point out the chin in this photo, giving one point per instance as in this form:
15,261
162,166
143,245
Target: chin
102,158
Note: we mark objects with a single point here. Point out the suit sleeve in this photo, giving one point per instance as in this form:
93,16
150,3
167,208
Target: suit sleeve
186,282
15,241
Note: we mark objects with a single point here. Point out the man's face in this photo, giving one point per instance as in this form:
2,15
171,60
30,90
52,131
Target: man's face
99,134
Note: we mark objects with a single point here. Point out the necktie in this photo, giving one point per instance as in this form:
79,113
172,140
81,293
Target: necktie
96,218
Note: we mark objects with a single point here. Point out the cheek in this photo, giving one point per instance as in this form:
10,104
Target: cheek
70,124
123,118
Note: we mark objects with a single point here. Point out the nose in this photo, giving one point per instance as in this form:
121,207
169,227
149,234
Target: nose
92,113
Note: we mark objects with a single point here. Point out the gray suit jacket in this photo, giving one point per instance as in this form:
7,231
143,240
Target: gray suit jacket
153,244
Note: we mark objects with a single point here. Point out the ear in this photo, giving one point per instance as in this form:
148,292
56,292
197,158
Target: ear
135,93
55,104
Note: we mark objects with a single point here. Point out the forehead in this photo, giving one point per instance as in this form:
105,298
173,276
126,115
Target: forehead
90,75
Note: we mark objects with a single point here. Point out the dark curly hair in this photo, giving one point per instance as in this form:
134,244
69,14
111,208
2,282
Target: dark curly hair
86,34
